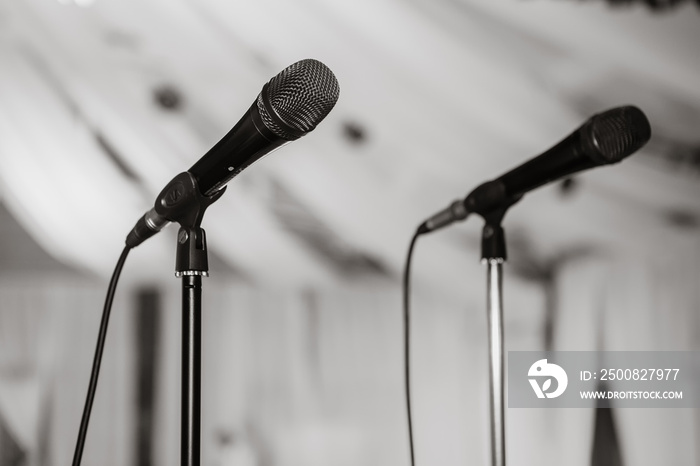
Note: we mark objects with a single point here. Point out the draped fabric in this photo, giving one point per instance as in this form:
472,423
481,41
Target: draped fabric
446,93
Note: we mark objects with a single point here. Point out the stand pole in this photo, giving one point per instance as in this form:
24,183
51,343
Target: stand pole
191,370
191,266
493,254
495,328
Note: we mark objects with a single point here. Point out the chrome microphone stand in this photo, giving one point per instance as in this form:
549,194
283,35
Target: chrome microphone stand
493,254
491,201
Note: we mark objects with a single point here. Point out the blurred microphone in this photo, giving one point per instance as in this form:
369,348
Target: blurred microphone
289,106
604,139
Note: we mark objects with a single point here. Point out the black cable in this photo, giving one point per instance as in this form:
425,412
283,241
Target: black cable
101,337
407,340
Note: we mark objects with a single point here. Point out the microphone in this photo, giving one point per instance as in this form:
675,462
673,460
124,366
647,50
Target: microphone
606,138
289,106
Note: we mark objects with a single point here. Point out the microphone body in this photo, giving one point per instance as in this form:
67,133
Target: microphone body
573,154
249,140
606,138
289,106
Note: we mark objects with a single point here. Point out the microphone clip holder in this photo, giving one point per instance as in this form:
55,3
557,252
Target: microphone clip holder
493,238
491,201
181,201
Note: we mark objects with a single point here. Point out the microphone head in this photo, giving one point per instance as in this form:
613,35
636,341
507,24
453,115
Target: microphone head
612,135
296,100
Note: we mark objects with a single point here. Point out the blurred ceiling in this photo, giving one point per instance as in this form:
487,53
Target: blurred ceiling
103,102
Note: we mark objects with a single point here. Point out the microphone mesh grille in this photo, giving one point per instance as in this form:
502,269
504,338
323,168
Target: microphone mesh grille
619,132
301,96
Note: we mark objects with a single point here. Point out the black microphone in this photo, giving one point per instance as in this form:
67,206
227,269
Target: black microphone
604,139
289,106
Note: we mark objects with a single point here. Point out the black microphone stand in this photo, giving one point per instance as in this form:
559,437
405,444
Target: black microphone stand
191,267
181,201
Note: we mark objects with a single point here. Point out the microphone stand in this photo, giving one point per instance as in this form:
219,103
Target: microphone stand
191,267
493,255
181,201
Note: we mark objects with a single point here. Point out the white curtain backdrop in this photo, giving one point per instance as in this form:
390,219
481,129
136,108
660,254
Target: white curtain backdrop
48,330
314,377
